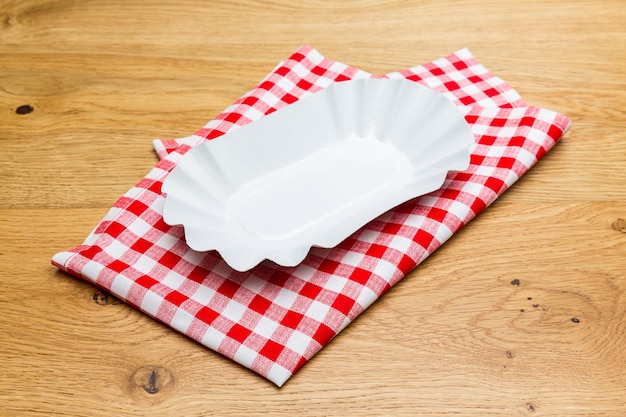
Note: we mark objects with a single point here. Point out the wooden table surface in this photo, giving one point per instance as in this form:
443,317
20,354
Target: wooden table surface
522,313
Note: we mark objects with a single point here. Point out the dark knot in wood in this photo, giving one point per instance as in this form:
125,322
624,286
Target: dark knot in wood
151,379
24,109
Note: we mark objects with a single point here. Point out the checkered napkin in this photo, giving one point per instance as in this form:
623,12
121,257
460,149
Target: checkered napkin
273,319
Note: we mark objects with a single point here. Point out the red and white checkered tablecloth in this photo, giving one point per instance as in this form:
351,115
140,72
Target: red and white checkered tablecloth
273,319
459,76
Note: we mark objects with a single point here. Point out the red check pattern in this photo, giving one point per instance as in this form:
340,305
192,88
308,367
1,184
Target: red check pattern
459,76
273,319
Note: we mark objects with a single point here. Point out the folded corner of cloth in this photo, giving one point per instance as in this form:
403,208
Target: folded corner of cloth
273,319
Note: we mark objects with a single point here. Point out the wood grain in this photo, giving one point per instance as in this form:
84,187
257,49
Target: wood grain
522,313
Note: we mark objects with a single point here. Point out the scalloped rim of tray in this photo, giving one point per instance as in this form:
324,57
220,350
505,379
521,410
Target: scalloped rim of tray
316,171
